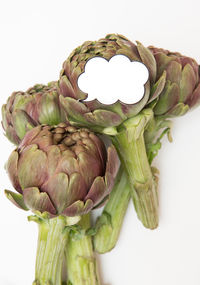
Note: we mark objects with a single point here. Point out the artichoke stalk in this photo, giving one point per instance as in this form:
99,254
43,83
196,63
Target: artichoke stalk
108,225
80,257
172,89
131,148
59,172
52,240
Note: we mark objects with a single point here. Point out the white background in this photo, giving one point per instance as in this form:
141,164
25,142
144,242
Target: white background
36,37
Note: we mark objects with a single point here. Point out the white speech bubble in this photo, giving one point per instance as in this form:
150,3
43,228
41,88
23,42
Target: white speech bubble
113,80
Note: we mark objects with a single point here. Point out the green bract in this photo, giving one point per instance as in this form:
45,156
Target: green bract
61,170
25,110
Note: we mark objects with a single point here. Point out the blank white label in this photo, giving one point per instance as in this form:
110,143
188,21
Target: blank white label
113,80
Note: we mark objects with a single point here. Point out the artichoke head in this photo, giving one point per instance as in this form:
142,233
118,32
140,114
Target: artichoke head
94,114
182,88
172,89
61,170
25,110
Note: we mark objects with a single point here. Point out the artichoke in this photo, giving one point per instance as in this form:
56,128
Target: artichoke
181,93
25,110
182,88
172,88
61,170
93,113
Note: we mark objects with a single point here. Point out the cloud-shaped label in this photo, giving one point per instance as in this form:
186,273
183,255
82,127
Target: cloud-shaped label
113,80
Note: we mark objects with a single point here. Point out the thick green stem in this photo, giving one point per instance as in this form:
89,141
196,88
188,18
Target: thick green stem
81,262
50,251
131,148
109,224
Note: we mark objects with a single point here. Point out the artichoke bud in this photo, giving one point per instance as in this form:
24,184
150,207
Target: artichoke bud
61,170
182,89
173,86
25,110
93,113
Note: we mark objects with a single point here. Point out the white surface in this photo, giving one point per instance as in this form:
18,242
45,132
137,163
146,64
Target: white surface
36,37
113,80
